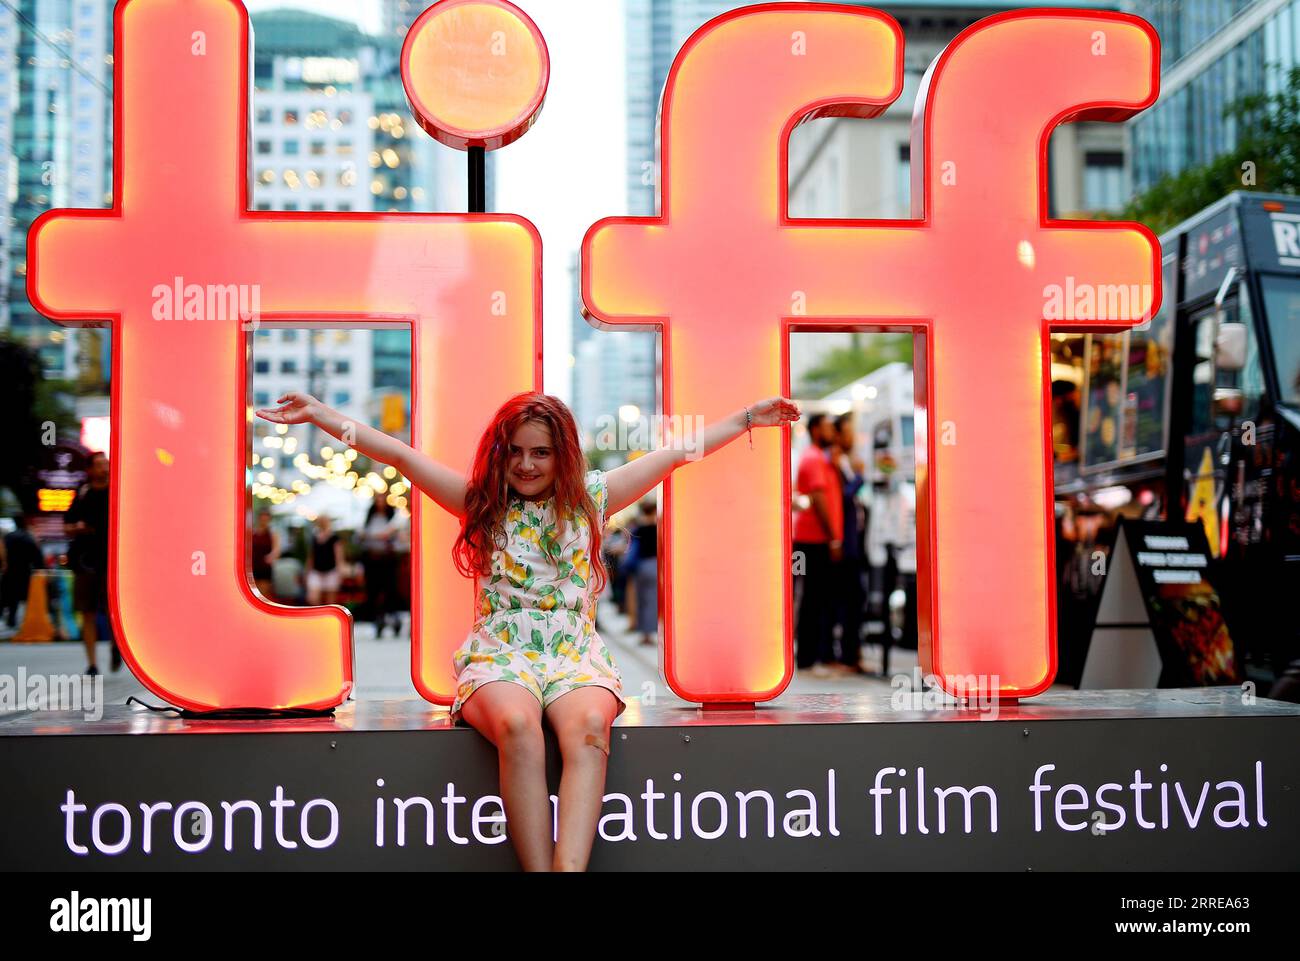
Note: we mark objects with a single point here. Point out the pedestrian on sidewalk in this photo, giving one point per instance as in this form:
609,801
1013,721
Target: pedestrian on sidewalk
87,521
818,546
851,596
646,535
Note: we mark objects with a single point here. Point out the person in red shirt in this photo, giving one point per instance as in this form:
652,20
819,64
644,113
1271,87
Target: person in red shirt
818,544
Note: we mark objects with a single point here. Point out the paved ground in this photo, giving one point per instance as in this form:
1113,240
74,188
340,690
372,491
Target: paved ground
383,669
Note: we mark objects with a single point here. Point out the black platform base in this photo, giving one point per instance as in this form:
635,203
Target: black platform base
1127,780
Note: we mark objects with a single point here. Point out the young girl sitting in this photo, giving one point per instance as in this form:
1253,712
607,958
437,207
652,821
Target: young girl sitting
532,516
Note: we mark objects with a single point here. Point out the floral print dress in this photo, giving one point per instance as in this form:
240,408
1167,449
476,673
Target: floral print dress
535,622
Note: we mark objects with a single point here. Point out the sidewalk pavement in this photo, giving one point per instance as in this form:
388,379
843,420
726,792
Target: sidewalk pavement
383,666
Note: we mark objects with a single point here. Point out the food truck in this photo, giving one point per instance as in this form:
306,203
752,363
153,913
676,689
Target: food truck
1194,417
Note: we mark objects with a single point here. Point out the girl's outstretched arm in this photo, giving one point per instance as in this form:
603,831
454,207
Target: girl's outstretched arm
444,485
628,482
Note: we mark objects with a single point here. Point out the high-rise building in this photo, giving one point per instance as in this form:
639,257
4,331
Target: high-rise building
841,167
56,73
838,167
1213,52
398,16
313,133
619,368
656,30
332,131
312,137
8,94
605,363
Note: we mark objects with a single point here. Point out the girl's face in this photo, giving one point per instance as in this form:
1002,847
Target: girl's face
530,462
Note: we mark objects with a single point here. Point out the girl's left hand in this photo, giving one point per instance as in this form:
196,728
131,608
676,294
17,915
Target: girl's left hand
774,412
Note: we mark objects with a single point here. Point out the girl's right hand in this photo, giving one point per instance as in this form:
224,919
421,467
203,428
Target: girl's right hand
295,407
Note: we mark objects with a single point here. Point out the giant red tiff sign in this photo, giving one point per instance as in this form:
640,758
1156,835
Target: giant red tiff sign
723,272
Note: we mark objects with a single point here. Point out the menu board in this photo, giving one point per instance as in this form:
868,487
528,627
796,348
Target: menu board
1150,353
1171,561
1128,386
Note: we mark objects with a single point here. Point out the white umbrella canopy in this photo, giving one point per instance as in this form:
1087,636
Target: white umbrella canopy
345,507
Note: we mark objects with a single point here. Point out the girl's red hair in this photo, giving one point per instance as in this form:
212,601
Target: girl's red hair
487,494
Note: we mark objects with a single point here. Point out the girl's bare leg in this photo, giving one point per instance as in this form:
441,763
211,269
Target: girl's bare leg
511,718
581,719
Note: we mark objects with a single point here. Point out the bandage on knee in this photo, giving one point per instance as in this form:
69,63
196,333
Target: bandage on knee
599,742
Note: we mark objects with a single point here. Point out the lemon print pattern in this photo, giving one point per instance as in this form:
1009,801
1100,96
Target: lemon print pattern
535,612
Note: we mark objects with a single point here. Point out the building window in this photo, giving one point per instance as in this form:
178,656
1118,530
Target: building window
342,398
262,399
342,367
262,367
903,179
1103,180
264,146
291,148
264,115
288,366
291,118
318,148
288,336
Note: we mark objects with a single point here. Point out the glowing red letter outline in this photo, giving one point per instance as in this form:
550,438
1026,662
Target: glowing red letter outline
206,640
720,270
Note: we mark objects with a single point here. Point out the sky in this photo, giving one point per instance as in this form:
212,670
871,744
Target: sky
568,170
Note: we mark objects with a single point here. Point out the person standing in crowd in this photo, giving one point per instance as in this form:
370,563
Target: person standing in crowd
380,560
21,555
1065,421
87,522
891,549
266,551
647,573
849,569
819,542
614,545
324,563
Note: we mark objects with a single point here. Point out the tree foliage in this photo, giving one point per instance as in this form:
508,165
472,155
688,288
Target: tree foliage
1266,158
844,365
